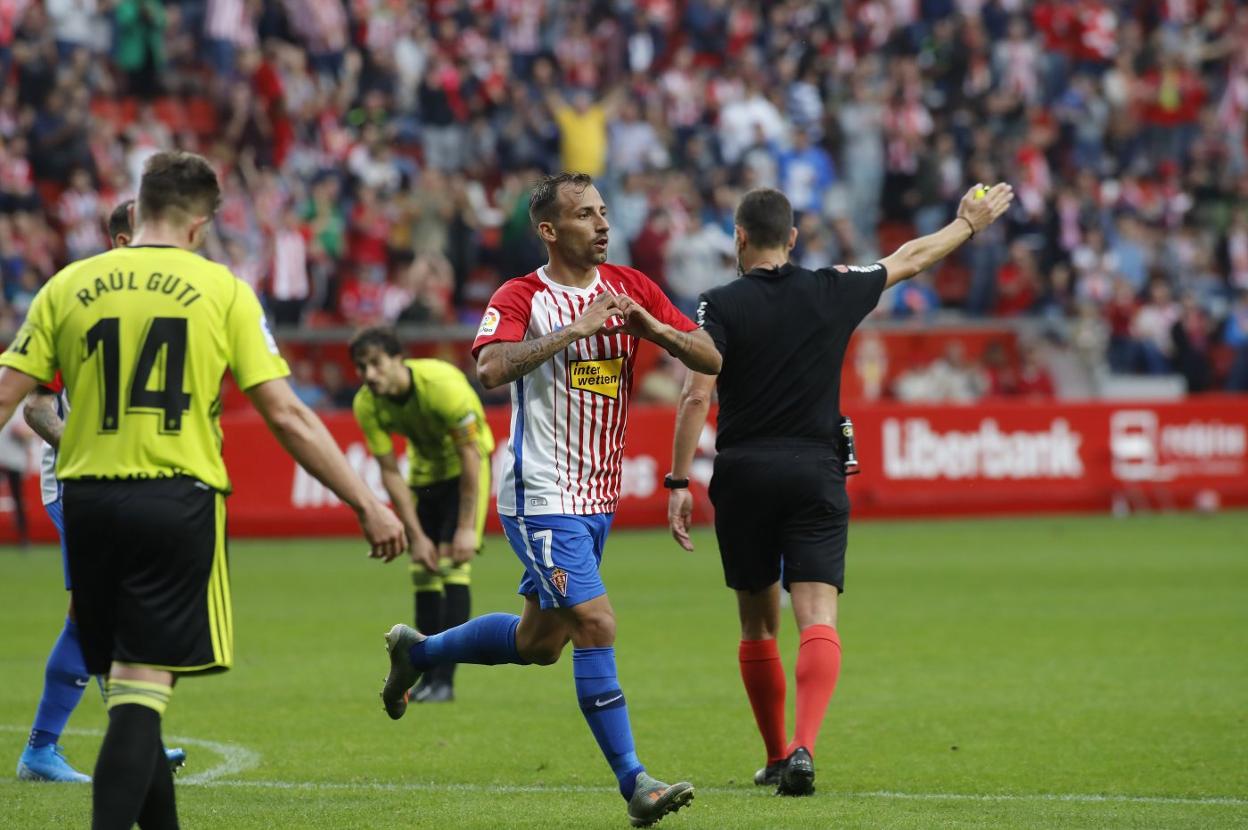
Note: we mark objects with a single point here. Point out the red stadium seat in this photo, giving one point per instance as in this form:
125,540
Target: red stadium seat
201,116
128,111
170,112
893,235
49,194
105,109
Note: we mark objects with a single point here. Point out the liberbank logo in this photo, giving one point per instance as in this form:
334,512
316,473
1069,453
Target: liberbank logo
914,450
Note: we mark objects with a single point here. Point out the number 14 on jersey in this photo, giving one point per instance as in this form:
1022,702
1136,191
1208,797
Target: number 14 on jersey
163,354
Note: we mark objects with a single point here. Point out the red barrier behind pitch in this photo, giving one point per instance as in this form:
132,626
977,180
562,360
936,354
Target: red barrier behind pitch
989,458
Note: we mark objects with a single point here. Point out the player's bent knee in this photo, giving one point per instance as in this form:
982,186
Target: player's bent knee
541,654
544,657
595,631
541,647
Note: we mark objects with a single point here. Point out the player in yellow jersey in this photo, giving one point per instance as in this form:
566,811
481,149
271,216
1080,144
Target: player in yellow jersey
432,405
142,337
65,677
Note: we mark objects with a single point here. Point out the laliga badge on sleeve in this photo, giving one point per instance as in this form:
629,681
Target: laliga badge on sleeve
489,322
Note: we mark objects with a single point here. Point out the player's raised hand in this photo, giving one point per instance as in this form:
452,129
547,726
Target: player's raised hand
637,321
982,206
383,530
593,319
680,515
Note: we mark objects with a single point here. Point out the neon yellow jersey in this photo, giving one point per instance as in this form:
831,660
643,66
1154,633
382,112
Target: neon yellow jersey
142,337
441,413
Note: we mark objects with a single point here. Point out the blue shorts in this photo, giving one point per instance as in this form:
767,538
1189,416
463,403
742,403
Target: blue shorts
561,555
56,512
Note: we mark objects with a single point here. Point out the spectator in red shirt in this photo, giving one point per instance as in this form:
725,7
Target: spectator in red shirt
370,229
649,249
270,105
1192,336
1018,282
1034,380
1119,312
1002,378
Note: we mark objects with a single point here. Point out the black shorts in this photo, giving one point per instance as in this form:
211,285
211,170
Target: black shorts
151,581
780,513
437,509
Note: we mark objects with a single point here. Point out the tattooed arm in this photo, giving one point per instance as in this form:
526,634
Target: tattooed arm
695,348
500,363
41,415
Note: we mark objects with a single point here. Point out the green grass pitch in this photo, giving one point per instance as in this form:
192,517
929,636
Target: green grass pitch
1055,672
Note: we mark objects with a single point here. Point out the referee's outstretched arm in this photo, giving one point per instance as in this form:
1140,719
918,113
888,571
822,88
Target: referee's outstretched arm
974,214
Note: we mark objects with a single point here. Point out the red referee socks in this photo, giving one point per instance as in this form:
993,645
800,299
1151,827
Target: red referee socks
818,666
763,675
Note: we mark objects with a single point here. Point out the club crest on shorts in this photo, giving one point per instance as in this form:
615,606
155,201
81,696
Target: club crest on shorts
560,578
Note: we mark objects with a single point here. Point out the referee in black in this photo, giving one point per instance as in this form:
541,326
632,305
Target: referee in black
781,510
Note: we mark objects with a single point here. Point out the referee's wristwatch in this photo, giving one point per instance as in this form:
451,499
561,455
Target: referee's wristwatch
675,483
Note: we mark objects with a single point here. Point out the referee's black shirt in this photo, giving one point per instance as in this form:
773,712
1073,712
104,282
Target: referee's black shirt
783,333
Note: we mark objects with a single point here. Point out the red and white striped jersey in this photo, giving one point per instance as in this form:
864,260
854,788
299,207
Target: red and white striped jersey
568,416
290,266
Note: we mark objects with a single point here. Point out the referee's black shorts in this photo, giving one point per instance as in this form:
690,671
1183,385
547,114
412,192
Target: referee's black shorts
781,513
151,582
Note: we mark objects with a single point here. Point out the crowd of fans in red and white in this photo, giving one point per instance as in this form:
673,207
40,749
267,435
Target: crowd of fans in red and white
377,155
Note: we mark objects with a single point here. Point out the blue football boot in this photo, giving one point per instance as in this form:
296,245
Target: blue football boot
47,763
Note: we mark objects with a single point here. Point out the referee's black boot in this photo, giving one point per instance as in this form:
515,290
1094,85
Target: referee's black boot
798,776
769,776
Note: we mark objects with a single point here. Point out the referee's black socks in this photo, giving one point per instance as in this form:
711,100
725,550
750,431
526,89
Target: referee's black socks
132,781
429,611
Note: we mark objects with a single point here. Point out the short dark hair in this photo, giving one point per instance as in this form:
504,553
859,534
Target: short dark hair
766,217
375,337
175,181
119,221
544,202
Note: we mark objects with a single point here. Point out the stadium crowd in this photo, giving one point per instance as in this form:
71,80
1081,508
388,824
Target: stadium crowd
377,154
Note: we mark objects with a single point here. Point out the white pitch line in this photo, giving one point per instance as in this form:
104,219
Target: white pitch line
1078,798
504,789
236,759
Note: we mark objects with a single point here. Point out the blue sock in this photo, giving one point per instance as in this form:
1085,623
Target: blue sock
602,703
487,640
64,681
